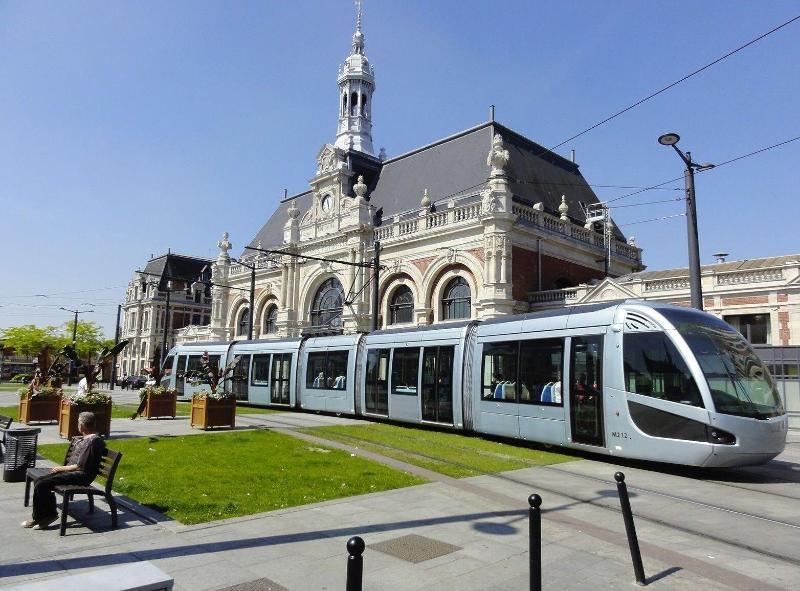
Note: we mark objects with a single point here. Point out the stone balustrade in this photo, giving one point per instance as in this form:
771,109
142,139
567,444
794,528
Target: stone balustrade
673,284
756,276
553,295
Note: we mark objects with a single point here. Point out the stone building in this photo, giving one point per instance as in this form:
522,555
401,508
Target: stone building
469,226
758,297
144,309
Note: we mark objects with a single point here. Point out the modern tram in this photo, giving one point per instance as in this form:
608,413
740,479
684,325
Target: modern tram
632,379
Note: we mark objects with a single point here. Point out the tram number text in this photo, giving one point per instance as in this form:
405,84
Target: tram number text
620,435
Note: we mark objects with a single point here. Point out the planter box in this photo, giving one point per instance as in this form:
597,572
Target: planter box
160,406
68,418
208,413
39,408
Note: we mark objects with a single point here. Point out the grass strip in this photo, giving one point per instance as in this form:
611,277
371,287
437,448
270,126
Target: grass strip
451,454
200,478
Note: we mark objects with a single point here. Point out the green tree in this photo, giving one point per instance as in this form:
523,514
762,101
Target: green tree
29,339
89,338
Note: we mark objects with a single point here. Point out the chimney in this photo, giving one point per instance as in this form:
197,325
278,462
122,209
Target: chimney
572,156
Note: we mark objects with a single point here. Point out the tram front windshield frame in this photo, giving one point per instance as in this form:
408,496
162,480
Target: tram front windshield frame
737,379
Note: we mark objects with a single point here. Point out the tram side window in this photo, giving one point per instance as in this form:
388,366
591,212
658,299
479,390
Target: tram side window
540,369
336,373
327,370
260,370
500,371
654,367
405,371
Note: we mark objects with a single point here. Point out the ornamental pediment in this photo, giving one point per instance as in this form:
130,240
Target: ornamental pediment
607,290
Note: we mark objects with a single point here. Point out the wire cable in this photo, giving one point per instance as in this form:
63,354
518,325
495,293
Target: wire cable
666,217
673,84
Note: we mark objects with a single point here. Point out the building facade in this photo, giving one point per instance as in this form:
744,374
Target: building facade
467,227
144,311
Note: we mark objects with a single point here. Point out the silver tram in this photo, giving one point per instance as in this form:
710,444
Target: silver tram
631,379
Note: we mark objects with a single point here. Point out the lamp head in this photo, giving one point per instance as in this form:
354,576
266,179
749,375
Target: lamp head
669,139
704,166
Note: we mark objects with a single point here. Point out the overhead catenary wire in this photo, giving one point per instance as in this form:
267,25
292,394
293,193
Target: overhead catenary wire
666,217
676,82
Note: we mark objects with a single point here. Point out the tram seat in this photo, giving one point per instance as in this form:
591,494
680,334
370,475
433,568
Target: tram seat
319,381
524,393
339,384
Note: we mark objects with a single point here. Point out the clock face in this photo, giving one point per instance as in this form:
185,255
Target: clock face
327,203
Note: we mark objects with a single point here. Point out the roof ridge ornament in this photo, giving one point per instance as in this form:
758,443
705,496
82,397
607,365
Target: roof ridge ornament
358,36
563,209
360,188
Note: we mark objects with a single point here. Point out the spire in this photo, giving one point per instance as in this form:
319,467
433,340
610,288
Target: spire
356,84
358,36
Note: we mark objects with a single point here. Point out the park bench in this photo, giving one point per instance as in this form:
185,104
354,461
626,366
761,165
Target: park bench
108,468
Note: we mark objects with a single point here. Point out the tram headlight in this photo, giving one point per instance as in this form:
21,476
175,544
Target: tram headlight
716,435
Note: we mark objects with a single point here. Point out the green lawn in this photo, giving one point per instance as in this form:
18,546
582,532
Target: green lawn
198,478
10,411
452,454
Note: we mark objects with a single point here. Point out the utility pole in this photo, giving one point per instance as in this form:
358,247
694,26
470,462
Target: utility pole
166,325
695,285
377,263
74,337
116,342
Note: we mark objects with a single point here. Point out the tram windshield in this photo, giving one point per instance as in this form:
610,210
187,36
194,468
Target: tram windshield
739,383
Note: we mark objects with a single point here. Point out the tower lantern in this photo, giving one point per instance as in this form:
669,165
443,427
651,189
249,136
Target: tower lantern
356,84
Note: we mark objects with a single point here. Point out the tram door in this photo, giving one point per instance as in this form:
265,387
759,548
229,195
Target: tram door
437,384
180,375
377,384
586,390
240,379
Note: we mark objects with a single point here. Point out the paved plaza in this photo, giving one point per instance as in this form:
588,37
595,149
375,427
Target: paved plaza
737,531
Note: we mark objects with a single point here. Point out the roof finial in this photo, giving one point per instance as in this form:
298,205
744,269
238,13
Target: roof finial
358,36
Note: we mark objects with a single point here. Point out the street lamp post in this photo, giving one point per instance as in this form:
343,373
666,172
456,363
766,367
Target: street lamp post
695,286
74,337
166,324
252,296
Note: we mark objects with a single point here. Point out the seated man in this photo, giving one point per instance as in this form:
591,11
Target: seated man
82,467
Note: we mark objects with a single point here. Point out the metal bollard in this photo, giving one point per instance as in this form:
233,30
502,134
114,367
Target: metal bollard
355,563
535,533
630,528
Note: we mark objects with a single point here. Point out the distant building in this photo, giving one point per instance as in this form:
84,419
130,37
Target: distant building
143,312
758,297
468,226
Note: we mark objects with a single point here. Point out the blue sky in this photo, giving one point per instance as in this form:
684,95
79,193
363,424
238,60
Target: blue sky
130,127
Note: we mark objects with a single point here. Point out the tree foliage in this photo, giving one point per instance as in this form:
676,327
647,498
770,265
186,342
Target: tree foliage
32,340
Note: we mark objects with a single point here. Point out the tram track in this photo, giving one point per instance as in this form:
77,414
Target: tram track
598,503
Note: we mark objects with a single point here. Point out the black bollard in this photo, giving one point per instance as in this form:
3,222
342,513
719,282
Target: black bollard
535,551
355,563
630,528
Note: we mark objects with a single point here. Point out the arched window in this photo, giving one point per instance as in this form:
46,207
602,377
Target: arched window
244,320
144,348
456,300
364,105
270,320
327,307
354,103
344,104
402,307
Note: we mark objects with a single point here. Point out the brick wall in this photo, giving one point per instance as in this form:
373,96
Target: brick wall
744,300
525,272
783,327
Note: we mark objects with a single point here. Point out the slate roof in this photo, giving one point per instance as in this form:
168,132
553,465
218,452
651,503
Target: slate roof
175,266
726,267
453,166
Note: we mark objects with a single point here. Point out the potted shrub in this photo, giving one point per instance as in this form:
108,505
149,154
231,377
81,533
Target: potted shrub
40,403
158,401
83,401
87,398
213,406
